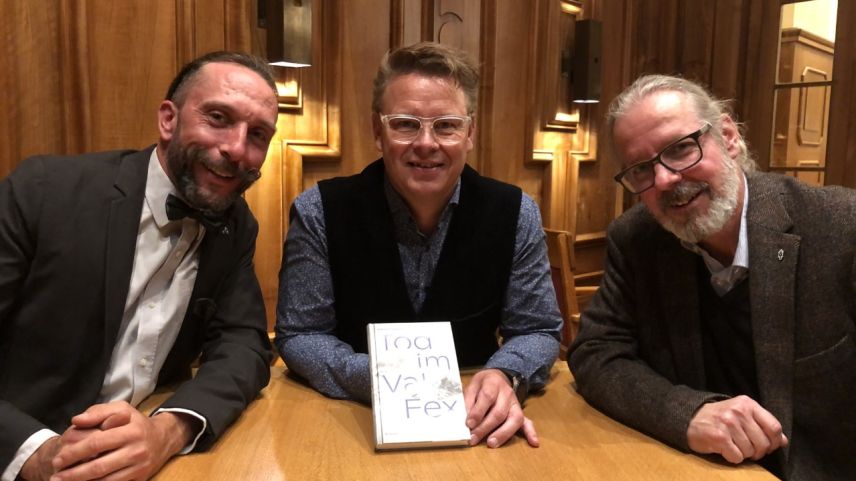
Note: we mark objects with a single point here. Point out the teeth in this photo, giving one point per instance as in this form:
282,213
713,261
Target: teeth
683,194
220,172
424,166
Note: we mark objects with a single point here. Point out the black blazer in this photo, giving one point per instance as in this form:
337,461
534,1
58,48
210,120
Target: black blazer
68,229
638,356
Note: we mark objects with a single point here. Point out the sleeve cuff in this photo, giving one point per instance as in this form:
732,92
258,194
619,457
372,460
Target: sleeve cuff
519,383
30,446
192,444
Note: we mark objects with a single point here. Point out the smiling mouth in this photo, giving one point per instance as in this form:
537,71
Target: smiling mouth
219,171
424,165
677,203
683,195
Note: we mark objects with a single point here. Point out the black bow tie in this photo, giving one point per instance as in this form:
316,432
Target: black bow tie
178,209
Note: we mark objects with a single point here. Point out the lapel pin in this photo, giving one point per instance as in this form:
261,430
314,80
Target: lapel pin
225,231
781,254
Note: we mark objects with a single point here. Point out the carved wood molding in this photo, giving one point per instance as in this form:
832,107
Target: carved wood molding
561,131
558,112
323,111
289,94
813,108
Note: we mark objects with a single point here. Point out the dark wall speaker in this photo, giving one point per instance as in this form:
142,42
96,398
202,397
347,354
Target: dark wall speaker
585,78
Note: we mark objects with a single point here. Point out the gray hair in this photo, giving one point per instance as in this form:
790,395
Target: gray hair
707,107
433,60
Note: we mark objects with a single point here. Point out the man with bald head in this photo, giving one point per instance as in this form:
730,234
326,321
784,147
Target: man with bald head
726,319
119,269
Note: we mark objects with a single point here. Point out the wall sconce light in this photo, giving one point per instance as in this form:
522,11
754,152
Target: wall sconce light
586,64
289,31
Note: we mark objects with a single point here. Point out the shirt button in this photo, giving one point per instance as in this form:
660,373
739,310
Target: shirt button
151,305
144,362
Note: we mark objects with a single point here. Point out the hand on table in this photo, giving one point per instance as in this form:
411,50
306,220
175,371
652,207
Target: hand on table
115,442
737,428
493,410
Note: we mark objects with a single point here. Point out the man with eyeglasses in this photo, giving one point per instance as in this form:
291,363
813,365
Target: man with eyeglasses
418,235
121,270
726,319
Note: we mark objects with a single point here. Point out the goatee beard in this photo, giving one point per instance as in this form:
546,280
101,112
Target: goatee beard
698,227
181,160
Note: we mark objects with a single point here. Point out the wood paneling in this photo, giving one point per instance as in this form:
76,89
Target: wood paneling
841,145
30,83
81,76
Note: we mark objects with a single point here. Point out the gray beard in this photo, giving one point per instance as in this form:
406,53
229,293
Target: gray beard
722,206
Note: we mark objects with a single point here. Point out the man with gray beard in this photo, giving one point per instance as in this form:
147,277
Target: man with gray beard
726,320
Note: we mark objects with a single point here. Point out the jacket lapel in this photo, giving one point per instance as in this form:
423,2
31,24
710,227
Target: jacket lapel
773,255
215,253
123,223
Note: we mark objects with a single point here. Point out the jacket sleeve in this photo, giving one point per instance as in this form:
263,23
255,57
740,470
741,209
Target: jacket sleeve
306,317
608,368
20,201
236,356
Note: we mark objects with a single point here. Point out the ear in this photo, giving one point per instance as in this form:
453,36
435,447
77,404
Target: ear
377,130
471,134
167,120
730,135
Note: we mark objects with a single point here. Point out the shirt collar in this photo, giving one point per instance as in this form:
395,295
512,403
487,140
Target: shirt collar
158,187
402,219
724,278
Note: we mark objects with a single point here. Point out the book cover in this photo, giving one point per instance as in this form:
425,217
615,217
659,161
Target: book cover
417,396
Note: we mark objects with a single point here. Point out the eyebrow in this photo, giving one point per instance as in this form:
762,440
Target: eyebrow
219,105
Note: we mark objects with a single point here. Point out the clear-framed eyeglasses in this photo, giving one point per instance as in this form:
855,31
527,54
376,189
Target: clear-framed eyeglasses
678,156
447,129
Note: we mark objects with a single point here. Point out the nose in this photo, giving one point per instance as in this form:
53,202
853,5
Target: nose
233,145
425,139
665,179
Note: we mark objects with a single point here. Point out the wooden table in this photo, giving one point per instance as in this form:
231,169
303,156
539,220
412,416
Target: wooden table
294,433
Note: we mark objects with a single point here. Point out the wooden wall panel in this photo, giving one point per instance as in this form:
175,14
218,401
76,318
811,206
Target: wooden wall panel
89,75
30,83
308,134
841,153
503,139
115,72
363,37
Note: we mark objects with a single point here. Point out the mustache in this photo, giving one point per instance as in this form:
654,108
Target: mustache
223,166
682,193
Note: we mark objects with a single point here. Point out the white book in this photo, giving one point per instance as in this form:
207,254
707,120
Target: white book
417,397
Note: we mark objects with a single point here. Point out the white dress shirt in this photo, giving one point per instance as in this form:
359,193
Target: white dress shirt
164,272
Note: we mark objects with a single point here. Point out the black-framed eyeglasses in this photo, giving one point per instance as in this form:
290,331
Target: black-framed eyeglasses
447,129
678,156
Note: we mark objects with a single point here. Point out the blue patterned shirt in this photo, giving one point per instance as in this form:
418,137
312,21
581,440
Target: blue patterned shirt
530,324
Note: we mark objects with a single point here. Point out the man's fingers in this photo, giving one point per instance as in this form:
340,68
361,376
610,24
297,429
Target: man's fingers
111,465
530,434
482,406
94,416
470,394
506,428
772,429
92,445
749,439
737,428
489,422
731,453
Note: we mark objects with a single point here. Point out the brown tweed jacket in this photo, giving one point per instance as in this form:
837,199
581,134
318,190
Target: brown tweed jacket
638,356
